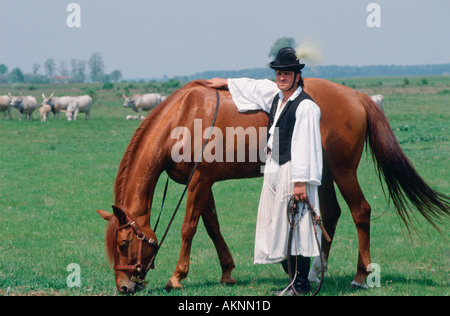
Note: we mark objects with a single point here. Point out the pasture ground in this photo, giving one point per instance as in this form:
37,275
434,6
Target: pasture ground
55,175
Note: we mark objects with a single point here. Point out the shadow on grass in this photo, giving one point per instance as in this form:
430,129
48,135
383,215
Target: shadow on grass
390,284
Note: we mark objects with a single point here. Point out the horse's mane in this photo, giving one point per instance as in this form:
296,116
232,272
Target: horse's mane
130,153
129,157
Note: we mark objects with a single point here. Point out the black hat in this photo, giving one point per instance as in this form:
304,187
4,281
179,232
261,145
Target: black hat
287,60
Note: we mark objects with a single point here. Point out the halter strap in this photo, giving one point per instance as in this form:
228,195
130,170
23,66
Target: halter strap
142,238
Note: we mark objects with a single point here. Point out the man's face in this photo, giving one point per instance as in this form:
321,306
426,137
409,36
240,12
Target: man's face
285,79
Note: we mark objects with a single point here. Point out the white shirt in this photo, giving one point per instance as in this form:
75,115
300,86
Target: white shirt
306,147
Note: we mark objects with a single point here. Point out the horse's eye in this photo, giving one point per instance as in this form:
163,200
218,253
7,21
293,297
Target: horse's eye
123,244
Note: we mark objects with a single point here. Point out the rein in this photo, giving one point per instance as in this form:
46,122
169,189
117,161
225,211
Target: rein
141,236
292,210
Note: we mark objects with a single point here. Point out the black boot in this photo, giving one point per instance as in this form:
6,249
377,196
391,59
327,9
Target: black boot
301,265
302,286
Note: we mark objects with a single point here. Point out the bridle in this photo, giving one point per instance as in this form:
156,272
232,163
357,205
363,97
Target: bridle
143,239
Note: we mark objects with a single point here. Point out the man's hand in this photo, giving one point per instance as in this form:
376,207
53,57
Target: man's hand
300,191
217,83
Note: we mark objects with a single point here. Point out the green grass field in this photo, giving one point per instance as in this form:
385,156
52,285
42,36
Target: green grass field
55,175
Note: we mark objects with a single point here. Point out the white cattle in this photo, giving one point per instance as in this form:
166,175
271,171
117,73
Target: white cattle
143,102
57,104
134,117
5,105
44,111
79,104
25,105
378,99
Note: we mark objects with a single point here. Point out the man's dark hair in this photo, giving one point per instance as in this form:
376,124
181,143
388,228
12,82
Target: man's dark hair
300,82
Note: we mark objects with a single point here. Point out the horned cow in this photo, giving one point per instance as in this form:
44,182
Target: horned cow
57,104
25,104
378,99
79,104
143,102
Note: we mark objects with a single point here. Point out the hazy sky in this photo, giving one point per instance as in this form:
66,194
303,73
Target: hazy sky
150,39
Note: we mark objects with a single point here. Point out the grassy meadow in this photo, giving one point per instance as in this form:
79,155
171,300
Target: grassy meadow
55,175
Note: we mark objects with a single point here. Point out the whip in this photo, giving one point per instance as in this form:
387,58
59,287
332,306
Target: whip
292,210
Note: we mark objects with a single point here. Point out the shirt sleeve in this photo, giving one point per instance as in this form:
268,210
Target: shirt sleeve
250,94
306,147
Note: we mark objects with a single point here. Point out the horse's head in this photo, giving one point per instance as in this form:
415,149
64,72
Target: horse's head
130,248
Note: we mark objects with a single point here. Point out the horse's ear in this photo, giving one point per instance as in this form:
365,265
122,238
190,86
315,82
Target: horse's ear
106,215
121,216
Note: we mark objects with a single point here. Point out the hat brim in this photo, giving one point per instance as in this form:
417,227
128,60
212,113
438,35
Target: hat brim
292,67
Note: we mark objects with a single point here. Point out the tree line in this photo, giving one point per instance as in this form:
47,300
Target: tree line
330,72
76,71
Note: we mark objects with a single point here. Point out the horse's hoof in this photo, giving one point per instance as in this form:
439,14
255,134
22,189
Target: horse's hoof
169,287
359,286
228,281
173,285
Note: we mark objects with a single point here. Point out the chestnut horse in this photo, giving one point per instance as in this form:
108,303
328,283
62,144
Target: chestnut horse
348,119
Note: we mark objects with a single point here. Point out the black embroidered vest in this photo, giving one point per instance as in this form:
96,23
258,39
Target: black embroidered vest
281,146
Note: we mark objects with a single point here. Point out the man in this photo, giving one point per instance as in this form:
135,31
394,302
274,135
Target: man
293,165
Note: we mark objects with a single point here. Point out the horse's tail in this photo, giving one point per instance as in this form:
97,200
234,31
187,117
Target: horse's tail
406,187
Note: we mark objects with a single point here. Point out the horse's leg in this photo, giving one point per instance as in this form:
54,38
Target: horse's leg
330,212
196,201
360,209
211,222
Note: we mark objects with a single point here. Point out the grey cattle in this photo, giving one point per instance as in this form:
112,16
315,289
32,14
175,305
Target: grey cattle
44,112
57,104
143,102
81,104
5,105
378,99
26,105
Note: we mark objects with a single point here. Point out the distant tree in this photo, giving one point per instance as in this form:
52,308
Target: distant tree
3,72
96,66
104,78
36,68
115,76
62,69
280,43
16,75
3,69
50,67
78,70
